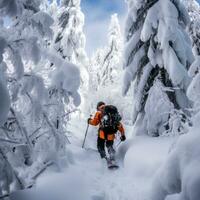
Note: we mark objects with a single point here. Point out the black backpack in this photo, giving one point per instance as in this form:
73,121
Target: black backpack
110,119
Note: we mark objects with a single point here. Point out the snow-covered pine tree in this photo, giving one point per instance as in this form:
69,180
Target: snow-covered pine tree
93,69
157,56
95,63
193,9
104,67
182,160
111,61
105,71
69,37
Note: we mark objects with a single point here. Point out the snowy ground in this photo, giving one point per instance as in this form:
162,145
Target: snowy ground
87,177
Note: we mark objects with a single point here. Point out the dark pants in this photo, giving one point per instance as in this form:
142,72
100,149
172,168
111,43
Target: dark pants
101,147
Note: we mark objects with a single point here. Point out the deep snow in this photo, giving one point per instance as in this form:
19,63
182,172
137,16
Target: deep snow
86,176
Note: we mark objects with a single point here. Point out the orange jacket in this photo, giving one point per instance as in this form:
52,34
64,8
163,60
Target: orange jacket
97,120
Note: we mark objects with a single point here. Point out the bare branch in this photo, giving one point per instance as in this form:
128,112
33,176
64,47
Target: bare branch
46,165
21,128
34,132
10,141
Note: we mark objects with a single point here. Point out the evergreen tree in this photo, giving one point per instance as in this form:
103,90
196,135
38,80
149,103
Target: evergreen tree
110,65
105,65
105,71
94,68
194,28
157,56
69,37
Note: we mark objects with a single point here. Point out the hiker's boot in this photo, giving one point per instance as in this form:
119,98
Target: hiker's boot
111,153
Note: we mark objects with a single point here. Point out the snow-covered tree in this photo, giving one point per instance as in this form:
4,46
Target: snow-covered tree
105,68
105,64
105,71
111,61
93,68
180,172
193,9
31,138
157,56
19,47
69,37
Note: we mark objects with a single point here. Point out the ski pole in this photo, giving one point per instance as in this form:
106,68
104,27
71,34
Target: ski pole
86,133
85,136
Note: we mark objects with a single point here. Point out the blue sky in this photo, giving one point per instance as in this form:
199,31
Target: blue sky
97,18
106,7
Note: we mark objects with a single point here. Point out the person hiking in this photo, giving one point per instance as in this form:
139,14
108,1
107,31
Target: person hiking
106,135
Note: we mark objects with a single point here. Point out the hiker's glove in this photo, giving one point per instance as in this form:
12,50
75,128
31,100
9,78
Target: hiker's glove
123,138
88,121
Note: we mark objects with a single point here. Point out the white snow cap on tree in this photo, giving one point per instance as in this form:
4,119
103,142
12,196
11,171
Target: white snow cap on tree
67,77
157,47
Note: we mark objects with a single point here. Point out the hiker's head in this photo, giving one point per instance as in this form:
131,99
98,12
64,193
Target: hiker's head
100,106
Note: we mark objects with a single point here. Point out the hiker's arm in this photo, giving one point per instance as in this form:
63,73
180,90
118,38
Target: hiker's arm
121,129
96,120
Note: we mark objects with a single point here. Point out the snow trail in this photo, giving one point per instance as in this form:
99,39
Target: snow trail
87,177
99,182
